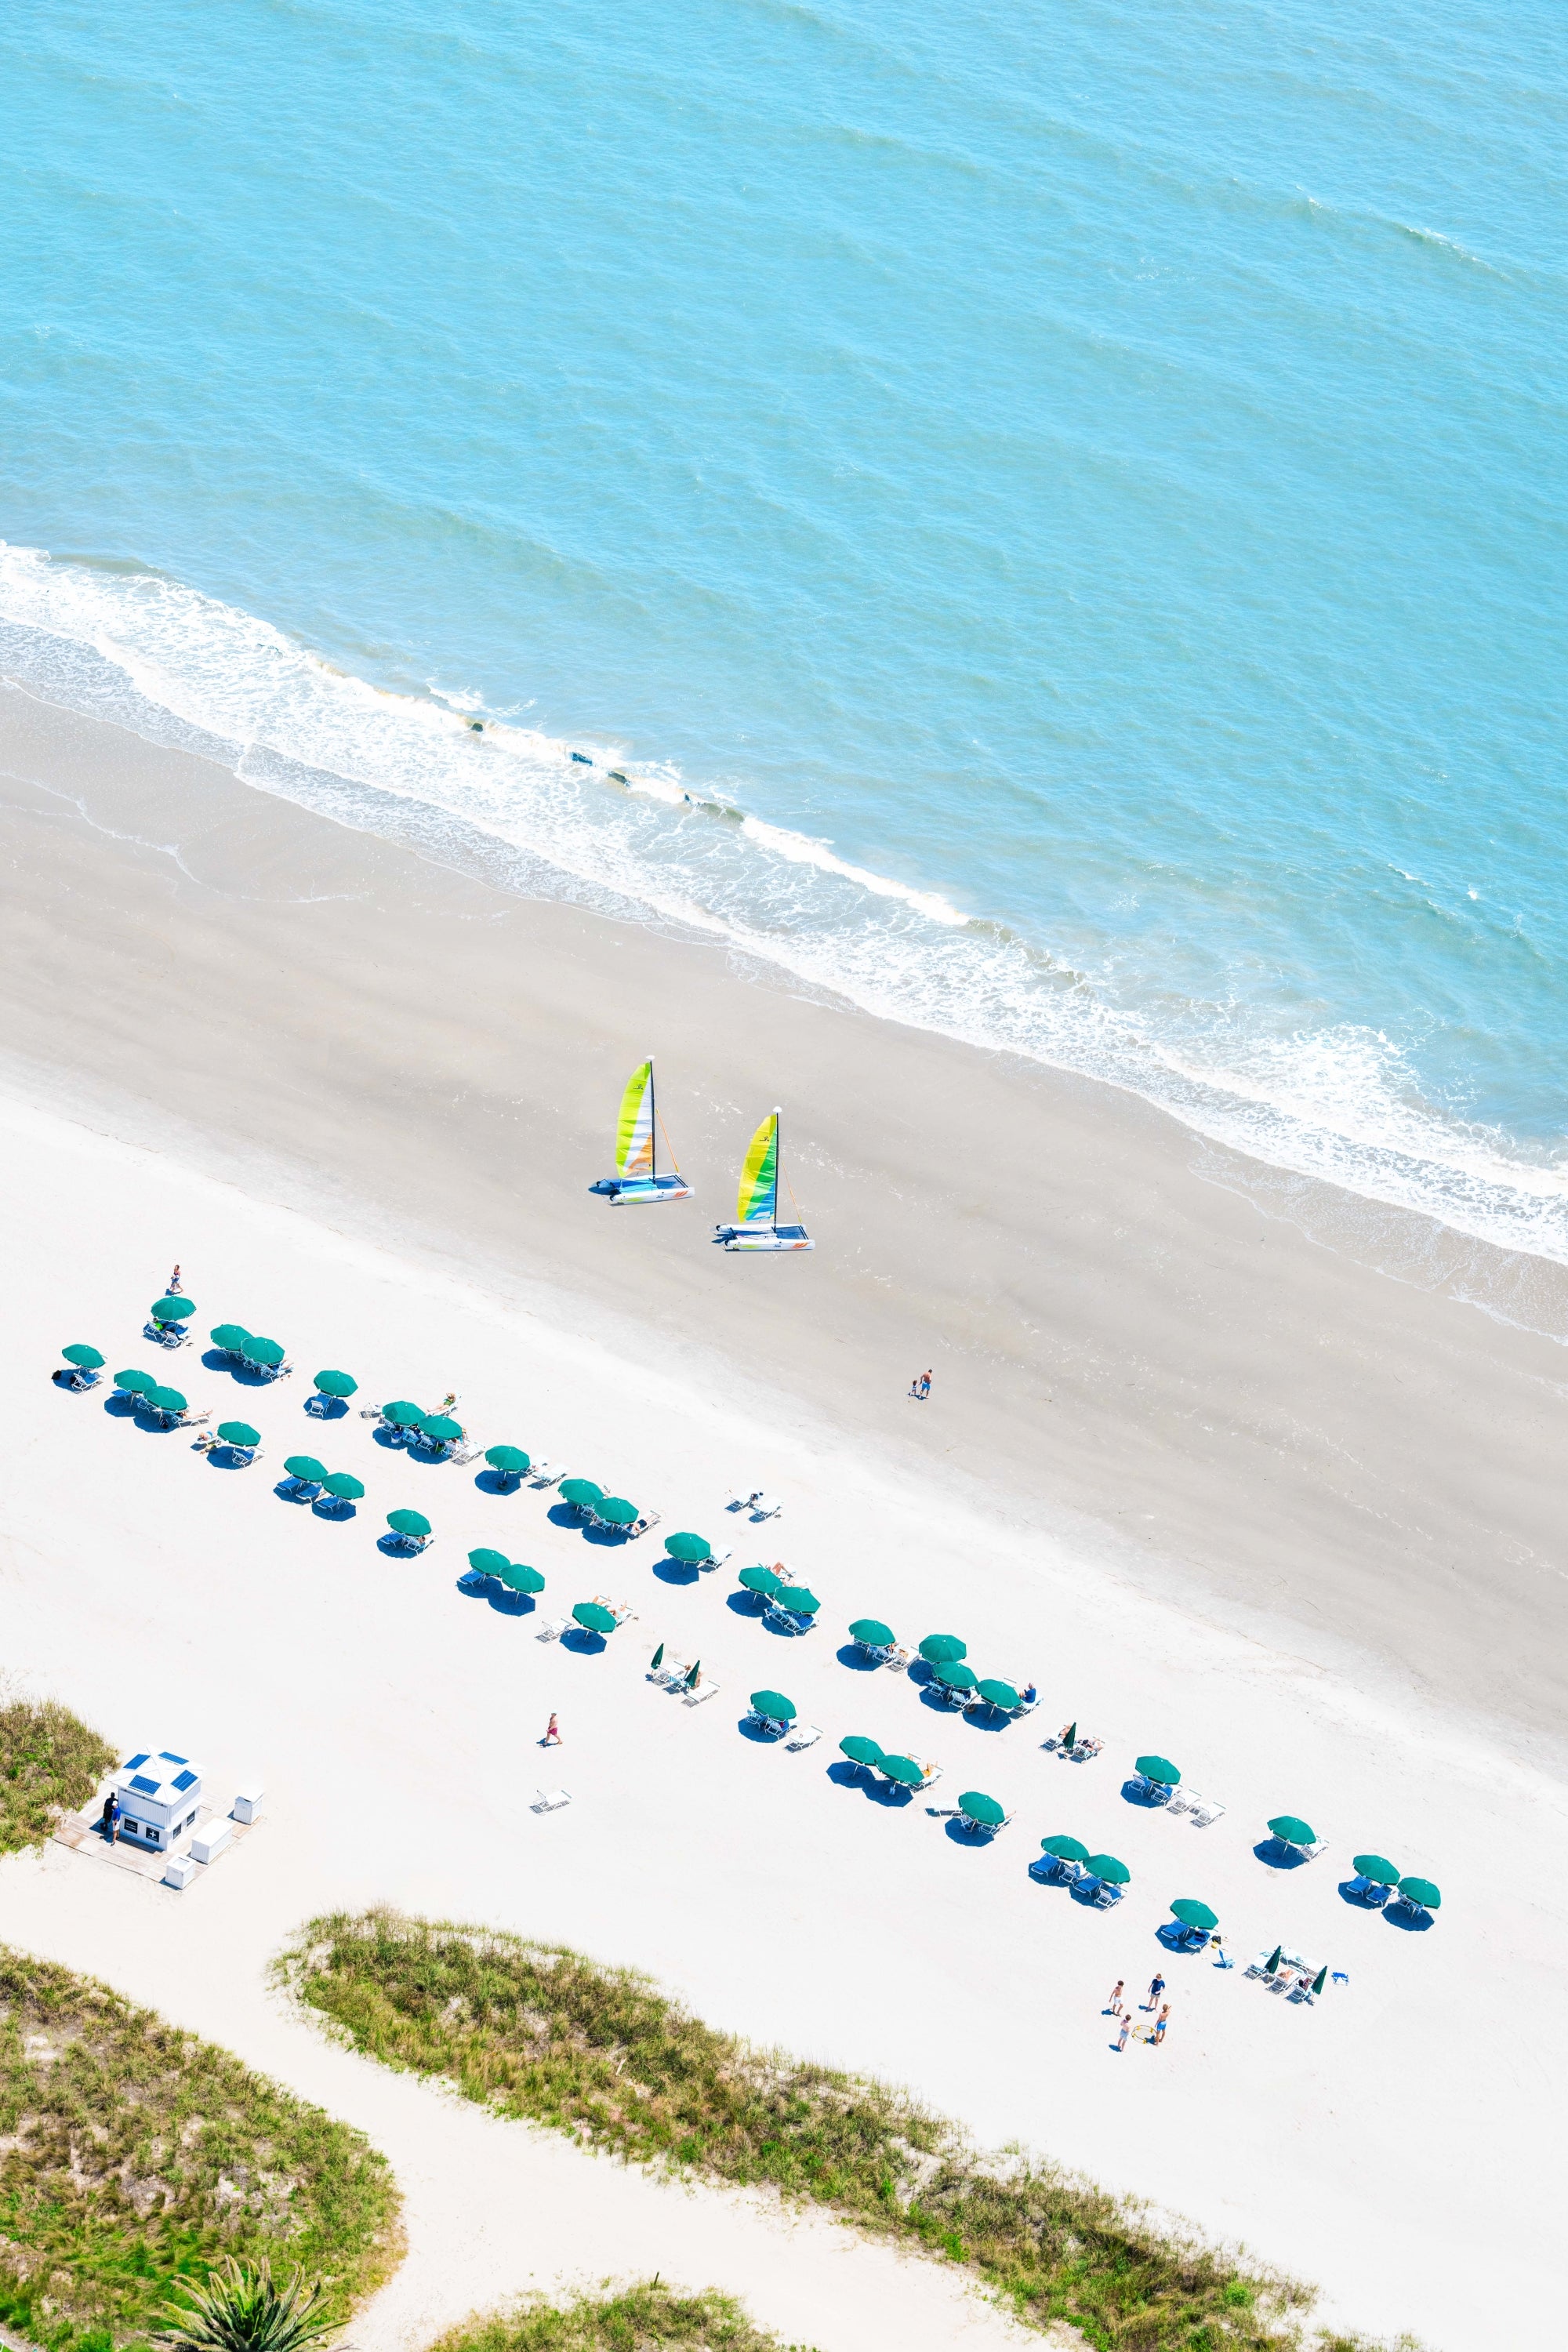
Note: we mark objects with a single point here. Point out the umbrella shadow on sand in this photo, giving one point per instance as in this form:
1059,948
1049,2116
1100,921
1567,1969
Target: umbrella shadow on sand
586,1643
852,1655
497,1482
746,1604
676,1571
961,1830
1279,1855
326,1408
473,1586
1138,1792
228,1458
1407,1916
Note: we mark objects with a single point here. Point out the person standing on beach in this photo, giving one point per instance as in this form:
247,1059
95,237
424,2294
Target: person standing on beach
1125,2029
1155,1989
551,1734
110,1824
1114,2004
1159,2025
174,1289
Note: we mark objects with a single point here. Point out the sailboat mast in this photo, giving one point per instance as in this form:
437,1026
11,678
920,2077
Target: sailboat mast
652,1123
778,1157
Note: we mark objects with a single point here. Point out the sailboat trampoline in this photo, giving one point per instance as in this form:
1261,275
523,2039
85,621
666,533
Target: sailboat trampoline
756,1226
638,1177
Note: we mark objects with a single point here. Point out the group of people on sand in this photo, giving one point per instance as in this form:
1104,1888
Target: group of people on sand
1154,2006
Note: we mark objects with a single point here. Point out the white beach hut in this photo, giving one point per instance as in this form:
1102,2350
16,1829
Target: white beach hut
160,1796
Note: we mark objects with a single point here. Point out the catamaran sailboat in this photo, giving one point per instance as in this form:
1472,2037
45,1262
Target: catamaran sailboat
638,1177
756,1226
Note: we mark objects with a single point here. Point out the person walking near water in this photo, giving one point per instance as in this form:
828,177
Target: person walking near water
920,1387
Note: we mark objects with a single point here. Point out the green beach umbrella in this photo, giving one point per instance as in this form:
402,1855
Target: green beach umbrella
593,1617
657,1659
172,1310
691,1549
797,1600
1000,1695
860,1751
759,1579
1421,1892
85,1359
510,1460
408,1523
1320,1980
956,1678
402,1414
1069,1736
230,1337
1194,1914
901,1769
263,1352
335,1384
1106,1866
694,1678
441,1429
518,1579
1291,1830
489,1563
944,1649
135,1383
616,1511
343,1487
581,1491
238,1433
872,1633
983,1810
306,1468
1272,1962
775,1705
166,1400
1374,1866
1159,1767
1064,1849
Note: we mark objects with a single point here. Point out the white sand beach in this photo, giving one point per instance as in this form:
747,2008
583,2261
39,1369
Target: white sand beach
1226,1492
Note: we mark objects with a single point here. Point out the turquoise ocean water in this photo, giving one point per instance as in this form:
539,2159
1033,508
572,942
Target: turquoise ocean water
1058,510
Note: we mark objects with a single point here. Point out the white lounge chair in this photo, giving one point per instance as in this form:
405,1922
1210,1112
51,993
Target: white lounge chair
546,1473
468,1450
703,1690
804,1735
550,1801
760,1506
551,1629
768,1723
1203,1810
1105,1894
932,1772
715,1560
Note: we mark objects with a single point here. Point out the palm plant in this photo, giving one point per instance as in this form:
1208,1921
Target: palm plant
248,2311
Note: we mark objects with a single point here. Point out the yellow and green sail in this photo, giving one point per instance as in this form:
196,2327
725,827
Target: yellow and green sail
634,1134
758,1201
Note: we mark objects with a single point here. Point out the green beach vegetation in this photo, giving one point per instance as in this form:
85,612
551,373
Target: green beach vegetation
648,2317
50,1763
540,2033
134,2158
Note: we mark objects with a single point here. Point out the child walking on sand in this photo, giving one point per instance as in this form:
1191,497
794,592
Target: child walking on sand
1159,2025
1114,2003
1125,2029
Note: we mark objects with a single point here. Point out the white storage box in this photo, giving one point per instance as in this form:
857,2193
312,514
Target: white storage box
246,1806
180,1872
210,1840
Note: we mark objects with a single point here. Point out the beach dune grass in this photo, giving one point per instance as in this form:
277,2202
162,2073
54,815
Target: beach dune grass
135,2158
50,1763
543,2033
647,2317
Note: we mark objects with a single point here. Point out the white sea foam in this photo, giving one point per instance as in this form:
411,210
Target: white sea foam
1337,1103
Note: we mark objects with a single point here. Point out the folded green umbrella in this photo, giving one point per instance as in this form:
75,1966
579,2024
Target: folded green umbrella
166,1400
306,1468
860,1751
901,1769
1272,1962
510,1460
335,1384
85,1359
1374,1866
691,1549
694,1678
956,1676
944,1649
1064,1849
135,1383
402,1414
408,1523
1159,1767
616,1511
1194,1915
343,1487
984,1811
263,1352
657,1659
1106,1866
761,1580
1421,1892
1320,1980
1000,1695
441,1429
579,1492
489,1563
172,1310
230,1337
872,1633
518,1579
775,1705
593,1617
238,1433
1291,1830
797,1600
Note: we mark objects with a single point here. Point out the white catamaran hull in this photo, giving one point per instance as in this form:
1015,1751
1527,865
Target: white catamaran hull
634,1191
763,1238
